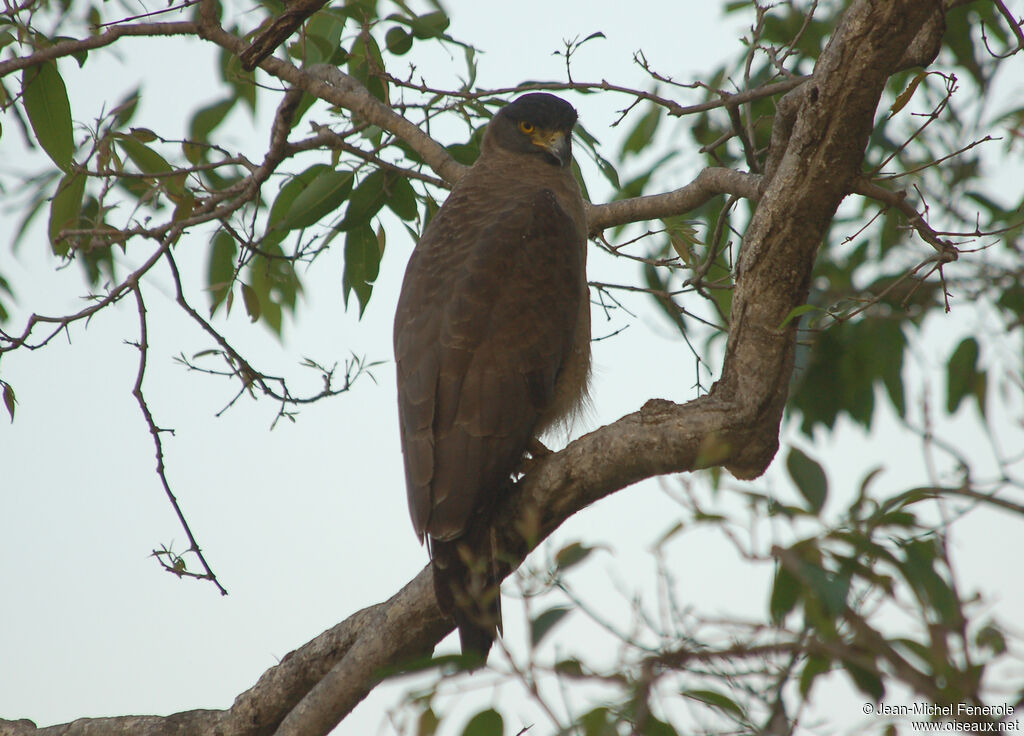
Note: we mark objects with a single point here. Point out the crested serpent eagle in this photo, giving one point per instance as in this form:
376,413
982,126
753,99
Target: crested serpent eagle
492,345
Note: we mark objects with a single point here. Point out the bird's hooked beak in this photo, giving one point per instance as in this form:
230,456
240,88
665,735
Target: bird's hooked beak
556,143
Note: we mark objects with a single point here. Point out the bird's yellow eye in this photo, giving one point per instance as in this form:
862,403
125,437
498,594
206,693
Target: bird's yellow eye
526,127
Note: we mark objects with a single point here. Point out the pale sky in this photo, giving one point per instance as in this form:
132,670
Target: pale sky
306,524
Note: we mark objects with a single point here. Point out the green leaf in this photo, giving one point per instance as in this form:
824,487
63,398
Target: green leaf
570,668
323,35
542,625
429,25
286,195
598,722
668,535
809,477
655,727
469,53
814,666
9,399
144,135
5,288
125,110
963,377
94,255
319,196
366,200
988,637
185,207
922,652
49,112
485,723
149,161
1012,300
866,681
830,589
427,723
571,555
206,120
398,42
251,301
798,312
606,167
864,485
919,570
65,210
643,132
785,594
904,97
884,344
401,197
272,276
845,363
682,237
80,55
959,39
220,270
655,281
32,208
819,395
362,262
243,82
367,65
715,699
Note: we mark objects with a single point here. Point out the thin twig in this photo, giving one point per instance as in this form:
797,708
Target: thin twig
155,431
868,188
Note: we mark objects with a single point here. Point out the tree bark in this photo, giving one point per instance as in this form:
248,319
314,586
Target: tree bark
820,135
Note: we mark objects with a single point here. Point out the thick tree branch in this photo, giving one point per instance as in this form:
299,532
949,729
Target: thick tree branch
816,156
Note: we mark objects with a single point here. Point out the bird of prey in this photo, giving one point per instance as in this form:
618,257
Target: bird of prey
492,345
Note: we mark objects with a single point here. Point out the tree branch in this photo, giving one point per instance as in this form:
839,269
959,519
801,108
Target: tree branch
916,220
711,182
278,31
333,85
71,46
161,468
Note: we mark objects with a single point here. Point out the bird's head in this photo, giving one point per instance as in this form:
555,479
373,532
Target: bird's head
536,123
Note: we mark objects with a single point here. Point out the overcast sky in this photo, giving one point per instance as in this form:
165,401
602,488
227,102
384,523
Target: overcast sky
307,523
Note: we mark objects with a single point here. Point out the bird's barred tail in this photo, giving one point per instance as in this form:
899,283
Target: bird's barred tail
467,585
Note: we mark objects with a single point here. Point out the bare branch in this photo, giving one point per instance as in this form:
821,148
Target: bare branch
916,219
155,431
74,46
1015,29
709,183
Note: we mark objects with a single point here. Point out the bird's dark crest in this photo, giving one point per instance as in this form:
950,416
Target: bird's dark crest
543,110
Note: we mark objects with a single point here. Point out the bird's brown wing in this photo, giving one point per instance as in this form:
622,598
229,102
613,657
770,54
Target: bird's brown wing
485,322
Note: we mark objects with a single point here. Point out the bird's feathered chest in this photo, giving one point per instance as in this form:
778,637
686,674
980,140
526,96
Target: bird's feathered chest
519,227
490,194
